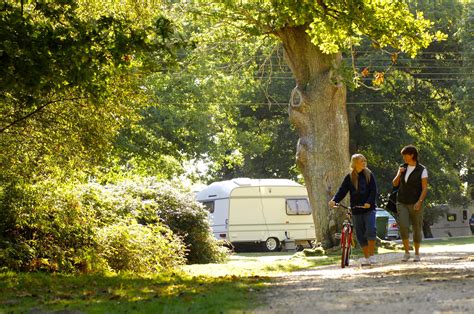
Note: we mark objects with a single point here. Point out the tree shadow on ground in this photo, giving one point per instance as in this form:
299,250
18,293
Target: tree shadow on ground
46,293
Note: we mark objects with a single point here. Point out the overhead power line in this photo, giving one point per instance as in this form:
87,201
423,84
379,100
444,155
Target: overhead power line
347,103
369,79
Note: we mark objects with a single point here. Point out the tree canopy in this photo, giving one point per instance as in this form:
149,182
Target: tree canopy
71,79
336,26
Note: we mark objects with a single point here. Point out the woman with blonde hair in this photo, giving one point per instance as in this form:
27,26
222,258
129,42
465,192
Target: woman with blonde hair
361,185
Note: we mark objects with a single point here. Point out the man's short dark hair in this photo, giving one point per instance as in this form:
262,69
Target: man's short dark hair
410,150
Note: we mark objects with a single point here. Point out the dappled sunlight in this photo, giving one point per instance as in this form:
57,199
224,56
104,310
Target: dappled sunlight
123,293
449,247
265,264
283,264
256,262
441,282
391,263
261,257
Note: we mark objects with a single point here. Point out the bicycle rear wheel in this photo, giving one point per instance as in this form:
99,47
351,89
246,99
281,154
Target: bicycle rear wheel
346,238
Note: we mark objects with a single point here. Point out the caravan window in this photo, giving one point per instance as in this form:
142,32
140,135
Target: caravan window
298,207
209,206
451,217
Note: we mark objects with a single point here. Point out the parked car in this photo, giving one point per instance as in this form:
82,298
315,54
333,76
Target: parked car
471,223
392,225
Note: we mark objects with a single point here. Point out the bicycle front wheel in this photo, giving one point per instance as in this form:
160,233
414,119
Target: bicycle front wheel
346,238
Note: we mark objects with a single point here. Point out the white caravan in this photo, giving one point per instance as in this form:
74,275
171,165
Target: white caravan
453,224
274,212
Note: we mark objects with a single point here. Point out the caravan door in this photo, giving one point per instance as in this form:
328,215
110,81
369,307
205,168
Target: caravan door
246,220
218,217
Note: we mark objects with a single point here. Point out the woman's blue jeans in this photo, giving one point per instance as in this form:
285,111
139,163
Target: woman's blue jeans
365,228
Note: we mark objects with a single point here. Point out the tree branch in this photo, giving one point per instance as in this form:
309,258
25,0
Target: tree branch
36,111
326,9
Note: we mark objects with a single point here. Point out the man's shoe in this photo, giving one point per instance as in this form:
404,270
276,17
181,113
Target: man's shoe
372,260
364,261
406,257
416,258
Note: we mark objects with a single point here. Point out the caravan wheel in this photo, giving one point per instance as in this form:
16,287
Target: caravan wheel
272,245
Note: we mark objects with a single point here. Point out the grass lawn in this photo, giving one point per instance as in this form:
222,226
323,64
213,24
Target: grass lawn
448,241
262,264
212,288
170,293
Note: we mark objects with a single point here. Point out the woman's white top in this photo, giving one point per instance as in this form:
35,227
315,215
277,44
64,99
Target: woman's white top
410,169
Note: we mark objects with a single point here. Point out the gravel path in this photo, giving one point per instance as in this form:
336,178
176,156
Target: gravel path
443,282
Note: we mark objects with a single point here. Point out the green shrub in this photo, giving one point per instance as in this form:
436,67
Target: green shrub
150,202
44,227
53,226
138,248
187,218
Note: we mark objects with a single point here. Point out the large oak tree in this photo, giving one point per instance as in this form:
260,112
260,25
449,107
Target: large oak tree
314,34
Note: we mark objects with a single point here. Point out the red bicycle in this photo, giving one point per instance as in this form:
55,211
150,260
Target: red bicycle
346,236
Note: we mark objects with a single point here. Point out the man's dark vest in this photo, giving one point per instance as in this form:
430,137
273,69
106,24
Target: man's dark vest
409,192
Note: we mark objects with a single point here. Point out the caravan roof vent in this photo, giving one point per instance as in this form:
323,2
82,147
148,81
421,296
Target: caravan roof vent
242,181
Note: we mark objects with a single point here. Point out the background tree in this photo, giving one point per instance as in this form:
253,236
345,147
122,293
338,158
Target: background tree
192,105
204,109
71,77
264,134
426,101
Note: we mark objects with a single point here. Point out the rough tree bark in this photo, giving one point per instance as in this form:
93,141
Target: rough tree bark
321,122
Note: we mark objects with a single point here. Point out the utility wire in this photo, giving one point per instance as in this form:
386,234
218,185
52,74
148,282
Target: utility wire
347,103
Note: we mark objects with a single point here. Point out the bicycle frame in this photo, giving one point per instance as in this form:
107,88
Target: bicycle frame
346,237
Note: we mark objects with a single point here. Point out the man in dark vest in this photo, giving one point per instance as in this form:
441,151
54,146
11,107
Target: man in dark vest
412,180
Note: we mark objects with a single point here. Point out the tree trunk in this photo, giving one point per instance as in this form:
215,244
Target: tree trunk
321,122
427,230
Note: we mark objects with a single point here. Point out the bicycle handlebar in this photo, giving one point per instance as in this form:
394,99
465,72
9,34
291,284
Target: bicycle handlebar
346,207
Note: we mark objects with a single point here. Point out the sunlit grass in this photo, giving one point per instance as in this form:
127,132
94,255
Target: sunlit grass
448,241
268,264
263,264
174,291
